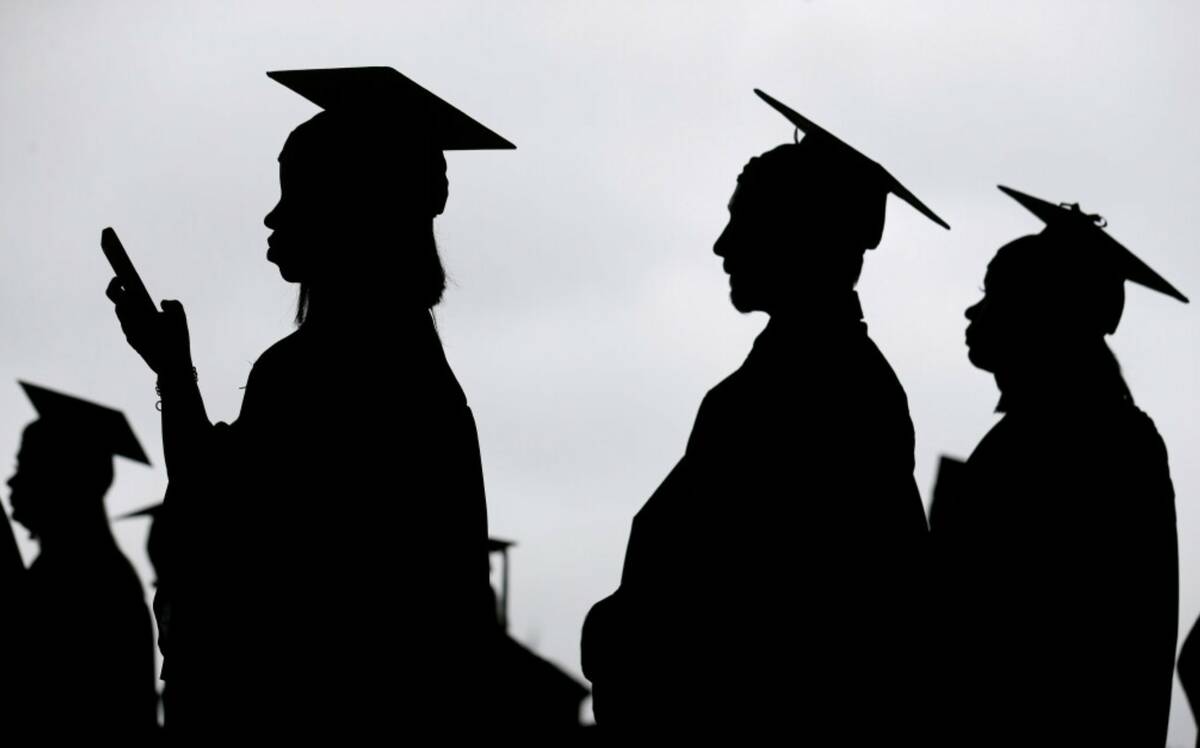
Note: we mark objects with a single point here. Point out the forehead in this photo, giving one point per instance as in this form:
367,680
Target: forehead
55,442
1026,257
34,442
756,193
1032,268
317,150
997,270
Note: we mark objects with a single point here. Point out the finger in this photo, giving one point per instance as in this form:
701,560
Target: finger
115,292
173,308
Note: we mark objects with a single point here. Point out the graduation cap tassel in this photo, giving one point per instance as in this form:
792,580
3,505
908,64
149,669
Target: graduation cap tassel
1098,220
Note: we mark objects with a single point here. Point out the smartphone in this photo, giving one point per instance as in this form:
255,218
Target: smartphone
124,270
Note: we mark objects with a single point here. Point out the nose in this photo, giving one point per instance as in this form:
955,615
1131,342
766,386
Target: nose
269,218
721,245
973,311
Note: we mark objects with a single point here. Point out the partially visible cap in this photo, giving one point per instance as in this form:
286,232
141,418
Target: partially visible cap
153,511
1087,232
382,95
871,171
86,423
499,545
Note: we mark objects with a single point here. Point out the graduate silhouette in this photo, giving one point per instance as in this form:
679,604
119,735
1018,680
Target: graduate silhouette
330,574
79,645
798,477
159,545
1056,545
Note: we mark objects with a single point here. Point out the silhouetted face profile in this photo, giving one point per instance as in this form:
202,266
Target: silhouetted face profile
65,462
360,185
800,220
1041,296
1051,295
356,207
56,479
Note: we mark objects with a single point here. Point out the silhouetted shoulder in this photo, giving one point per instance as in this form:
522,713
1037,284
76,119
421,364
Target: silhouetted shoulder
283,354
1138,444
842,363
116,567
881,397
876,365
1122,436
1142,428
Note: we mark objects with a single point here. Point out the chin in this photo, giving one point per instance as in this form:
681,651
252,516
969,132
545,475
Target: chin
290,274
978,360
743,305
743,300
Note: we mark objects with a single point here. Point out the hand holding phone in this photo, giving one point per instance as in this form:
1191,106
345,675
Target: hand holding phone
122,266
161,338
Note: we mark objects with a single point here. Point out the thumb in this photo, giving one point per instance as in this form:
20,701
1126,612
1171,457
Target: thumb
173,308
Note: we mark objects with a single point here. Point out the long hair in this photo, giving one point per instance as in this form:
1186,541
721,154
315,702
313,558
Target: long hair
417,266
391,190
302,304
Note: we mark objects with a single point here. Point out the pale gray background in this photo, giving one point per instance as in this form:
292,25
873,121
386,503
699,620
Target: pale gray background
587,315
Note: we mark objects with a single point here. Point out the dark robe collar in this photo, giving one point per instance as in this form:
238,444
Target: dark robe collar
832,318
1076,390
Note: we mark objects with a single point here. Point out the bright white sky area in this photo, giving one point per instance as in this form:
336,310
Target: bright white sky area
587,314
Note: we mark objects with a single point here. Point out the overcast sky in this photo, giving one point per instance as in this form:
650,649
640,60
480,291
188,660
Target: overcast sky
587,315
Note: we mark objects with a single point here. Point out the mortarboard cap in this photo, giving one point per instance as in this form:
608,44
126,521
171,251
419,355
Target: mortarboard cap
499,545
383,93
153,512
1088,231
86,422
817,134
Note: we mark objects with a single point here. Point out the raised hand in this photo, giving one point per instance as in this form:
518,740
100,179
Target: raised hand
160,338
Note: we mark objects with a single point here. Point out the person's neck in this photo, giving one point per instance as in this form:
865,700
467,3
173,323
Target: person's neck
1062,379
356,295
82,531
363,308
835,307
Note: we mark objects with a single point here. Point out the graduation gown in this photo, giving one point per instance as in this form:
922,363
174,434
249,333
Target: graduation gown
82,648
332,577
772,581
1057,556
